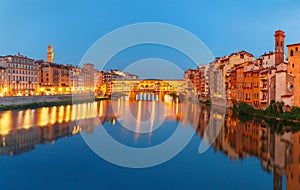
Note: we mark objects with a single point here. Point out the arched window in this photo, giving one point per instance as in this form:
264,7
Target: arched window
291,86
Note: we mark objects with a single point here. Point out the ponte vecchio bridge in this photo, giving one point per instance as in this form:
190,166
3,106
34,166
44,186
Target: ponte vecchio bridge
154,89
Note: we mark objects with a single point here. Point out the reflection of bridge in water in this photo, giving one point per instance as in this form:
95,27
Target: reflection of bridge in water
148,89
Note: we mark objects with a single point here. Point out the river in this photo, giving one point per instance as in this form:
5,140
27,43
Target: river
44,148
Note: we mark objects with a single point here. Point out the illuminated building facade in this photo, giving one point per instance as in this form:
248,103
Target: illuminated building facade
54,78
240,78
20,75
3,87
294,70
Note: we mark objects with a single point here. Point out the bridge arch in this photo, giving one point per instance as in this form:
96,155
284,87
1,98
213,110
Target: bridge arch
147,96
117,95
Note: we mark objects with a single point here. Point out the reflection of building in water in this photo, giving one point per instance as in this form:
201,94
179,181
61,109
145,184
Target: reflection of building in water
19,141
279,154
32,127
215,125
293,166
204,116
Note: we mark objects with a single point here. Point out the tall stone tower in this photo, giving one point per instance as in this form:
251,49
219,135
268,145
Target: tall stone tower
50,54
279,47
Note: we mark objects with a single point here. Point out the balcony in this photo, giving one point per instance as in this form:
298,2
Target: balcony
263,101
263,88
263,78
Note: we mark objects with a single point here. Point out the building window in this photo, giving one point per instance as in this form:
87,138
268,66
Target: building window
291,53
293,65
291,86
296,48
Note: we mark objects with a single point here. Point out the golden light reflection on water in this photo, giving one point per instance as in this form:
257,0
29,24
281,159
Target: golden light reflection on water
6,122
27,119
43,116
68,113
48,116
61,113
138,119
53,116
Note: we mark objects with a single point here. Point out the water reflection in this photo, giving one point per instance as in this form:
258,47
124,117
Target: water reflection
279,153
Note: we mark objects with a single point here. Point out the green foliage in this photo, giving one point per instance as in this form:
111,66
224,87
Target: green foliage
274,115
295,110
245,108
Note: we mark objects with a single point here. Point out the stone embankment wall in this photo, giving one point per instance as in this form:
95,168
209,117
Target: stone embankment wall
10,100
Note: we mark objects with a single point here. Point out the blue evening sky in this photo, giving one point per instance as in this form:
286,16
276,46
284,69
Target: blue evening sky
28,26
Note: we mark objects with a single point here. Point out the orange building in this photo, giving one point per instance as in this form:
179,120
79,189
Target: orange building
248,80
240,84
233,84
294,70
251,84
228,86
194,77
256,89
54,78
264,86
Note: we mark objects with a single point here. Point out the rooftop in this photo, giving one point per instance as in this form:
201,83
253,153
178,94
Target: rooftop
296,44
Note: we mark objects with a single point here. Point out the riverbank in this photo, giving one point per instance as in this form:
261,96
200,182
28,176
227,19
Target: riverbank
46,101
274,111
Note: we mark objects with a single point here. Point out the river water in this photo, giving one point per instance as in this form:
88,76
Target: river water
44,148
